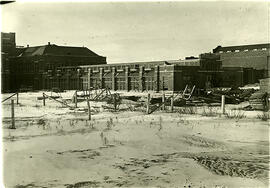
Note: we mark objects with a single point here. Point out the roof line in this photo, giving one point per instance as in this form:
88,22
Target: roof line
262,44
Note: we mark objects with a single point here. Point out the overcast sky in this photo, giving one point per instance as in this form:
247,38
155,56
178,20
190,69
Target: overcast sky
139,31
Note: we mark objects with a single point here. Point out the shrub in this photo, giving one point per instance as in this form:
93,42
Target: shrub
71,123
265,116
42,122
89,124
160,123
106,141
209,111
92,125
235,114
188,110
109,124
130,107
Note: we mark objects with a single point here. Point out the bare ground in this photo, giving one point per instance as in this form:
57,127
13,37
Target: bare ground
56,147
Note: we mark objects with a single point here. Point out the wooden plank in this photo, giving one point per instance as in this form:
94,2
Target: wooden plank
58,101
9,97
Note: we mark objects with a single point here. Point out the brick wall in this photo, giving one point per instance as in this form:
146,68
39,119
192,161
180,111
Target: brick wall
246,59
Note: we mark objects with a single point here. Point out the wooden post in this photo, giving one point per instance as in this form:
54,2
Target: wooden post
148,104
75,99
17,98
12,115
89,109
163,101
114,101
172,104
43,99
223,104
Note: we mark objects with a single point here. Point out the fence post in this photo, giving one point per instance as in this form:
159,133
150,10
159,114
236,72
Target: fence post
114,101
163,101
75,99
223,104
89,110
172,104
17,98
148,104
44,99
12,115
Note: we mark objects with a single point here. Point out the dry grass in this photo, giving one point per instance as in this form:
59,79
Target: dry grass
104,139
209,111
160,123
42,123
265,116
109,124
235,114
187,110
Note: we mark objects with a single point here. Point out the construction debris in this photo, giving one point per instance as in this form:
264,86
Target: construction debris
259,101
233,95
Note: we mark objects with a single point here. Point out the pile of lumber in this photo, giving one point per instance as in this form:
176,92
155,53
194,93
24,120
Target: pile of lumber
233,95
259,101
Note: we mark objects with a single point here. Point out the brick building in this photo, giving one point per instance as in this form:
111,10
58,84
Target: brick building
8,46
253,59
8,43
52,66
143,76
226,67
30,68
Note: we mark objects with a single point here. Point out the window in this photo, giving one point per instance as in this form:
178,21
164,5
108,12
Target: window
237,51
35,67
186,78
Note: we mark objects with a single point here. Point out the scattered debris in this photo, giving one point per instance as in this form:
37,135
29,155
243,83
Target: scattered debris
259,101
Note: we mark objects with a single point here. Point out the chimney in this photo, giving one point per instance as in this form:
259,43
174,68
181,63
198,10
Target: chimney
49,43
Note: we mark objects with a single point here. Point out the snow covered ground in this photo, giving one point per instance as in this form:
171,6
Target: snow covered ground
54,146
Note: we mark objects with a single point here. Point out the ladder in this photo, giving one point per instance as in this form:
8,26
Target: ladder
187,95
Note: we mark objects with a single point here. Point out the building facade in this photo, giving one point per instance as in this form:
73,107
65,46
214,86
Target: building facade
67,68
8,46
30,68
205,71
254,59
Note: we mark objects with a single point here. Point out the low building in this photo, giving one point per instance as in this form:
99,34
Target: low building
173,75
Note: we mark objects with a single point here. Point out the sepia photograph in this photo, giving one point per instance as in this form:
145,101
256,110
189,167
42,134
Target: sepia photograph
139,94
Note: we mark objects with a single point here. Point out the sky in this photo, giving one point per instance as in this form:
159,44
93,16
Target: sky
139,31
